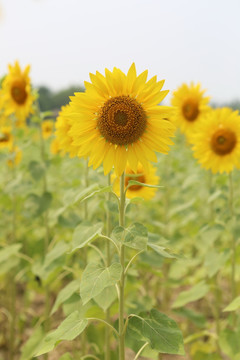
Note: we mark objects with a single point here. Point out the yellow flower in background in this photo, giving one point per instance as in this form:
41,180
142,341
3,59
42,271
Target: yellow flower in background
55,147
47,128
17,93
118,120
15,156
65,141
190,107
141,176
216,143
6,137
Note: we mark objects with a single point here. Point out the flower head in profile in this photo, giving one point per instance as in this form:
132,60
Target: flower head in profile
216,143
118,120
141,176
15,156
63,138
6,137
190,107
47,128
17,93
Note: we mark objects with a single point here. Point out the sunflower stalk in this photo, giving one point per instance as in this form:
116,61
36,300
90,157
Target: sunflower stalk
108,252
122,280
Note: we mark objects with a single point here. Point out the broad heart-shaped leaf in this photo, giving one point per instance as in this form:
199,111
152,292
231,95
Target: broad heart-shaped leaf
135,236
9,251
96,278
36,170
106,297
159,330
195,293
65,294
84,233
71,197
69,329
234,305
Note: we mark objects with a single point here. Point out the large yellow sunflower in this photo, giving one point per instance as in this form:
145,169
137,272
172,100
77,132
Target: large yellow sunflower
17,93
65,141
216,143
190,107
118,120
141,176
6,137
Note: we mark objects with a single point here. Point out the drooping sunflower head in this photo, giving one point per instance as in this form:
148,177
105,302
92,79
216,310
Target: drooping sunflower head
6,137
63,126
15,156
141,176
118,120
17,93
47,128
190,107
216,143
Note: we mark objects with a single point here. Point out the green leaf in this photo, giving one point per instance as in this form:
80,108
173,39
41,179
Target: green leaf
106,297
159,330
36,170
84,233
161,251
66,356
229,343
181,208
214,196
29,348
96,278
234,305
136,236
69,329
195,293
65,294
50,262
214,261
9,251
134,182
71,197
44,203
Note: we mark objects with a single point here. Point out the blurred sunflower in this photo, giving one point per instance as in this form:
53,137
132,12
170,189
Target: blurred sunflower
6,137
15,156
118,120
141,176
190,107
55,147
63,125
216,144
47,128
17,93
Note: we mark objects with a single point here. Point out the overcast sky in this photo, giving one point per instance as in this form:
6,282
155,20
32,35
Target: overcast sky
179,40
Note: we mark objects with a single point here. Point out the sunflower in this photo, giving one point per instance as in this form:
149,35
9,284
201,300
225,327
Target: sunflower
6,137
216,144
63,125
16,156
141,176
17,93
55,147
190,107
47,128
118,120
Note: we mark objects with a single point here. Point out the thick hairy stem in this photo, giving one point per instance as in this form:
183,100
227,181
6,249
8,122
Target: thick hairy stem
108,252
122,280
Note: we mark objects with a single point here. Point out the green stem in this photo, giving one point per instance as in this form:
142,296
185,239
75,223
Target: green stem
46,239
233,270
86,178
140,351
122,280
12,281
108,252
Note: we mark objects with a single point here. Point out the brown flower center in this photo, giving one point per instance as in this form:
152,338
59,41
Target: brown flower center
18,91
190,109
4,138
223,141
122,120
140,178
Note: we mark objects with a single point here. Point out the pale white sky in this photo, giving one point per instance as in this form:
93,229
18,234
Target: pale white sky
179,40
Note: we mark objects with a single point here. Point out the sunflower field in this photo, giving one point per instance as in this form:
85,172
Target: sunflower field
119,227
